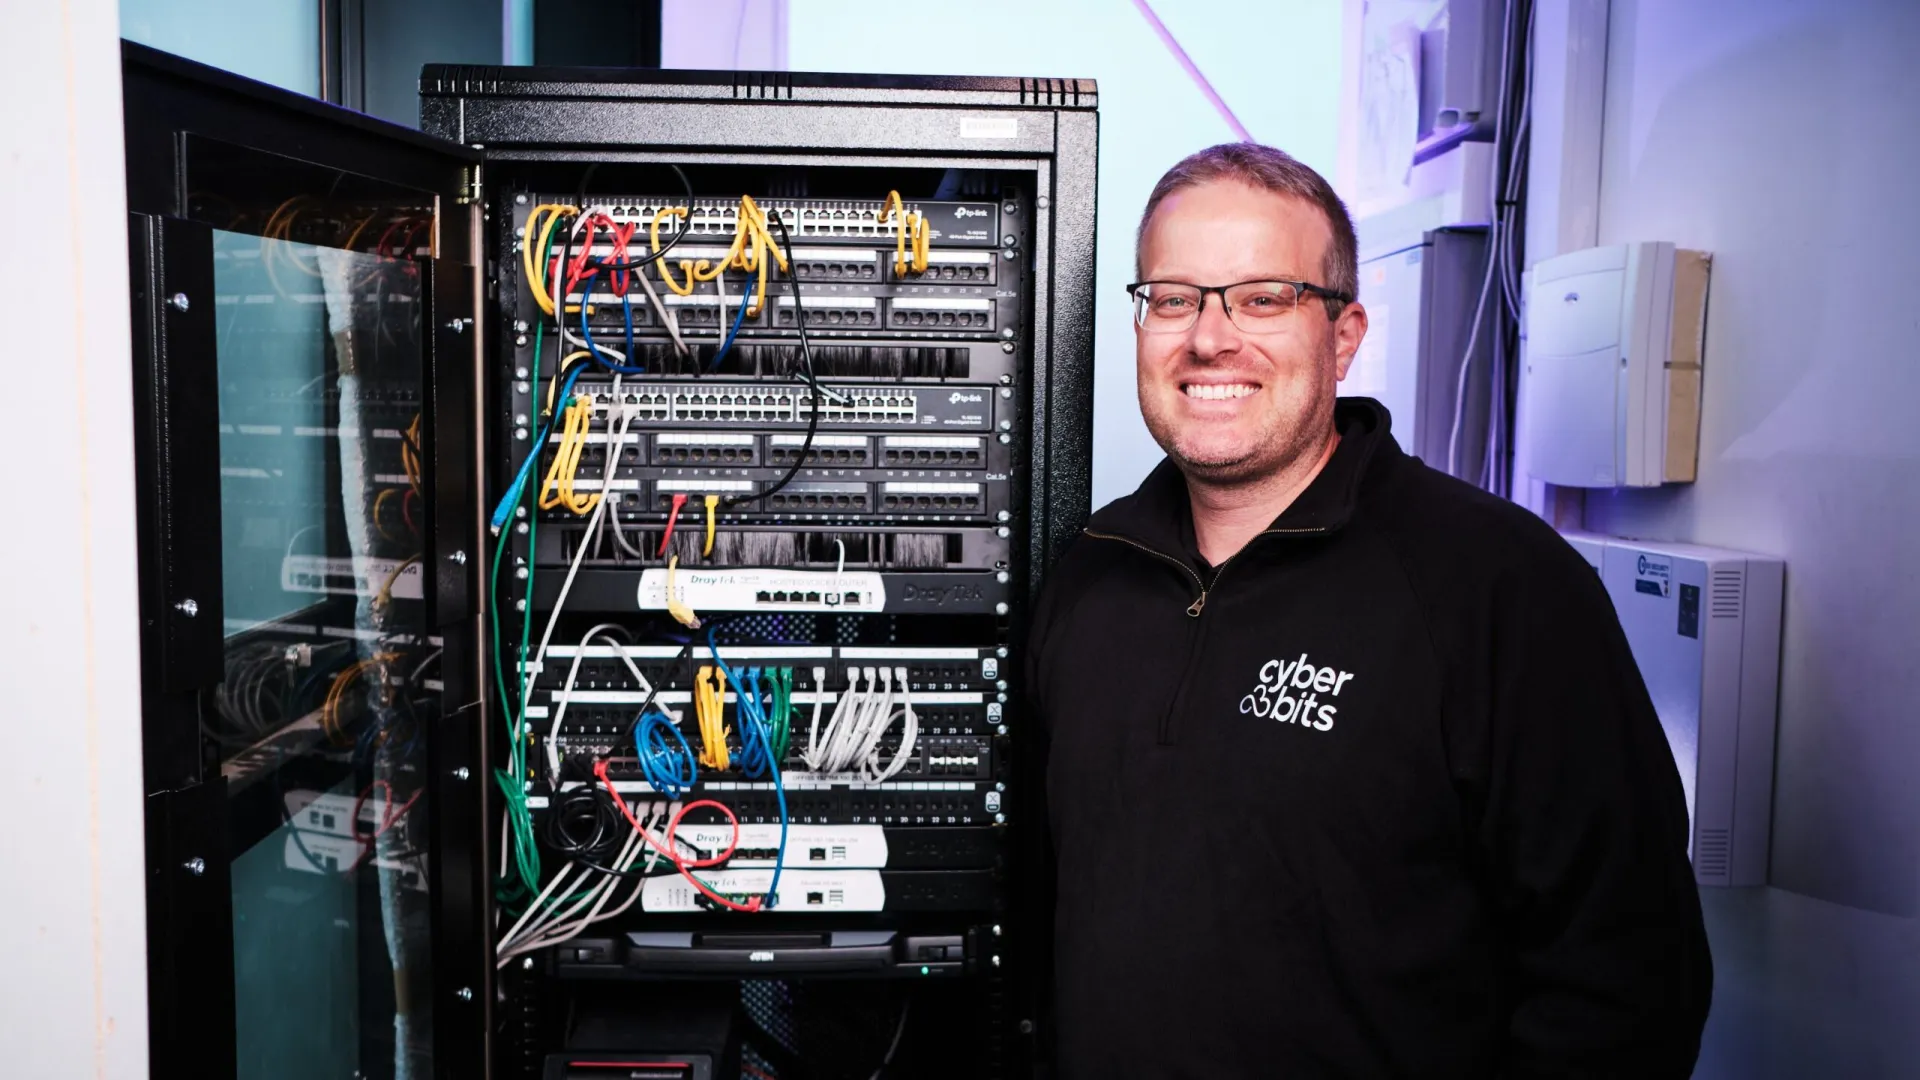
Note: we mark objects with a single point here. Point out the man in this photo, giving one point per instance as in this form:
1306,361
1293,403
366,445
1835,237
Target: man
1350,771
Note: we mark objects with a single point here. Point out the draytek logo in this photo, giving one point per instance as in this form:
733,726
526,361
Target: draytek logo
1290,693
962,211
941,594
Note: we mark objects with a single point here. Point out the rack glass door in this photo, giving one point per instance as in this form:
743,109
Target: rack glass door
330,675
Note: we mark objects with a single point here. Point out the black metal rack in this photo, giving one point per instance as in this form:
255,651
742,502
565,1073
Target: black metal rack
344,262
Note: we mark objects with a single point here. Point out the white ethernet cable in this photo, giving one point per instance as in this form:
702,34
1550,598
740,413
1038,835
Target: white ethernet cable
566,690
866,709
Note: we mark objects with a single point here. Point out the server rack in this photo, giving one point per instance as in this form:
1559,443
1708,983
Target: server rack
325,434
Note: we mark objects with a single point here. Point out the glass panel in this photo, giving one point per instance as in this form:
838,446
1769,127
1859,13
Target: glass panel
330,677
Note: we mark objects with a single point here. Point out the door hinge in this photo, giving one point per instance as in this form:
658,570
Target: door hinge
470,187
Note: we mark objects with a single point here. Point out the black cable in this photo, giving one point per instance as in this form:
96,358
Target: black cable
894,1046
812,381
685,659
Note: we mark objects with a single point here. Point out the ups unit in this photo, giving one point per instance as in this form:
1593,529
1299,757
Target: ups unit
590,547
1704,625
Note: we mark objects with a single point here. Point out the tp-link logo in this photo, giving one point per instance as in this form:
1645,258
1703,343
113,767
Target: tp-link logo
961,211
959,397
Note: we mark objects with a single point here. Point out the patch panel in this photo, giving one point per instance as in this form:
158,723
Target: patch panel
954,267
933,451
829,264
933,496
702,311
944,312
705,448
830,311
810,495
832,450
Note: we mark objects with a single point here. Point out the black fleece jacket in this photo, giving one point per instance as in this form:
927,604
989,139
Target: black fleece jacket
1383,795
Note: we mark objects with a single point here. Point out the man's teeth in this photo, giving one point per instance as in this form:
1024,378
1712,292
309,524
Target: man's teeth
1219,391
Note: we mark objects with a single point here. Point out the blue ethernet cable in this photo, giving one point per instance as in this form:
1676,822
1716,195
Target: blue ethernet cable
756,721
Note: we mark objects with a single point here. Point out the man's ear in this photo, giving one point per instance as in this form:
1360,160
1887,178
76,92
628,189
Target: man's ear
1349,328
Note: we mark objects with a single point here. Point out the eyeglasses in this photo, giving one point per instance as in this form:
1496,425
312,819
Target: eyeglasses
1256,307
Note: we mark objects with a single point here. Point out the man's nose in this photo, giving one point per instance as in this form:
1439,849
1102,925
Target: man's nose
1213,333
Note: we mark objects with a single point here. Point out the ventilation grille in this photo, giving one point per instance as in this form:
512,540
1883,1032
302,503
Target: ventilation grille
1049,91
1710,853
767,85
1727,589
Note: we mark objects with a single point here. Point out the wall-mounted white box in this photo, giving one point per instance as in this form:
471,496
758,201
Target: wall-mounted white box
1612,378
1704,626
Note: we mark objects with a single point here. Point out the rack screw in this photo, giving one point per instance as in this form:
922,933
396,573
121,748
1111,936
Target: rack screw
458,558
522,201
520,326
458,326
1003,532
195,866
1002,577
1042,202
188,607
1001,652
520,573
996,929
1009,239
1026,1027
1005,438
1006,380
1000,609
178,301
1003,516
998,787
464,994
461,773
996,959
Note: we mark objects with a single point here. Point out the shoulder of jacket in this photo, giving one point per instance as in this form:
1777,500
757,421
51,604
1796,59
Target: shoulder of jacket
1444,528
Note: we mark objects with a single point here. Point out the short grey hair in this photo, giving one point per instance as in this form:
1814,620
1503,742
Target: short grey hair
1281,173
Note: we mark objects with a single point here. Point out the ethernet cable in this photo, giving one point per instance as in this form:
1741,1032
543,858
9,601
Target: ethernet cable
666,759
710,702
556,490
563,699
903,225
756,752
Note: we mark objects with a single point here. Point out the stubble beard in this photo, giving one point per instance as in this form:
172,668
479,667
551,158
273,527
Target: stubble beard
1285,439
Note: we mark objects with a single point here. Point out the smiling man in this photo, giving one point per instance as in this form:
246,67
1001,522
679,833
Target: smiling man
1349,769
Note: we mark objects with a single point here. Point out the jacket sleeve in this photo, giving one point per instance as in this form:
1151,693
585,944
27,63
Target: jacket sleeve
1583,832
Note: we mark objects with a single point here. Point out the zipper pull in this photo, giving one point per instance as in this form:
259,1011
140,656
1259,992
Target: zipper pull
1197,605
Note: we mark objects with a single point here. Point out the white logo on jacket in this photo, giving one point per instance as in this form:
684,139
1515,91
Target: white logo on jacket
1291,692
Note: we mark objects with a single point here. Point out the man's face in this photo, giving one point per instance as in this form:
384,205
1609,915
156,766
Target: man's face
1232,407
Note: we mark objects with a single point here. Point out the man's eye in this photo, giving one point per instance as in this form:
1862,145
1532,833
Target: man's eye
1169,303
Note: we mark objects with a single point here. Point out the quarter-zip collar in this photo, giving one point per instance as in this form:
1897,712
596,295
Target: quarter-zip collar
1157,518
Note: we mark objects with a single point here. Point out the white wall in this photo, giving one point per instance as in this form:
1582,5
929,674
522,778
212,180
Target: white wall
1784,137
73,913
1276,64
